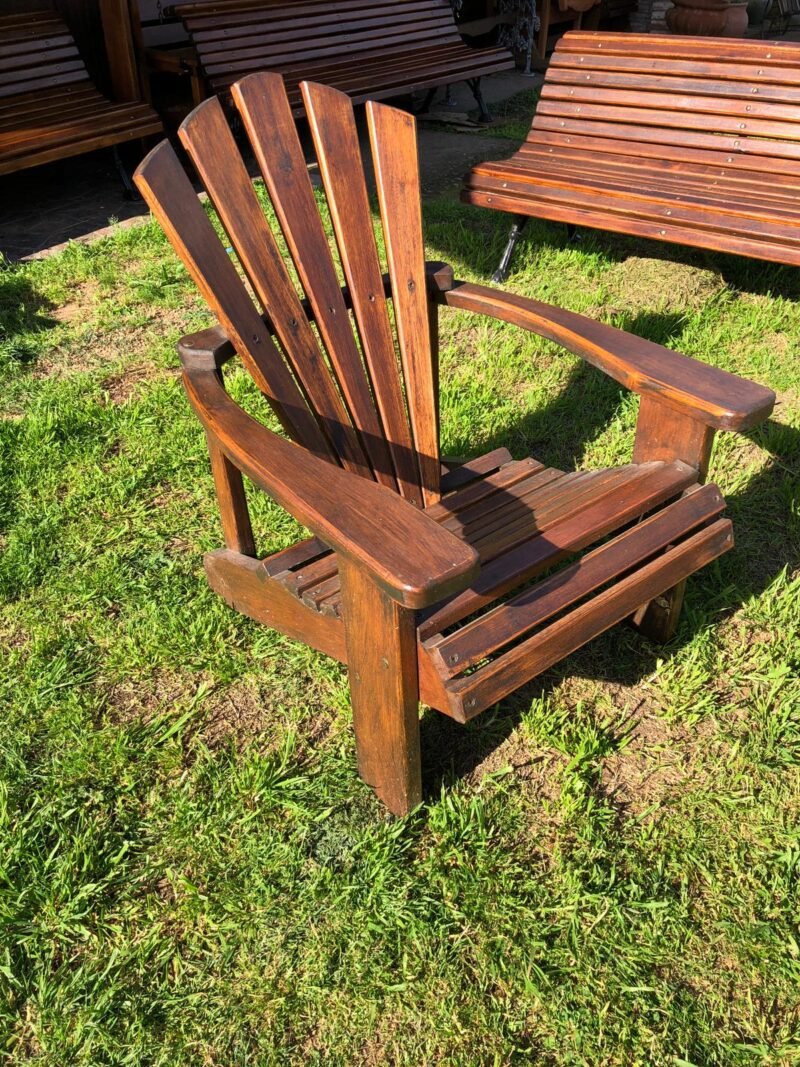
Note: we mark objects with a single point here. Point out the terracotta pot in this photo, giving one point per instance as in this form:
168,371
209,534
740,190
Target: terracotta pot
737,20
700,18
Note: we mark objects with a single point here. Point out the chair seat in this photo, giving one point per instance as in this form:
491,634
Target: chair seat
524,519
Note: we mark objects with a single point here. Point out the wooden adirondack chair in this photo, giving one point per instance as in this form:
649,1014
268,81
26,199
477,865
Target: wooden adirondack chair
407,576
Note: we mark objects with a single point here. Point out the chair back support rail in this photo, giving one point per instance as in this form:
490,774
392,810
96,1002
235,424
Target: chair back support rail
366,48
699,147
418,570
49,107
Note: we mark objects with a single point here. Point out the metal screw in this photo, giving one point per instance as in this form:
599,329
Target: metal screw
454,658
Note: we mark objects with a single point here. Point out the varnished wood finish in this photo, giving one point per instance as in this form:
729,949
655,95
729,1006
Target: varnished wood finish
384,690
234,514
710,395
394,152
365,48
49,107
665,434
417,574
699,146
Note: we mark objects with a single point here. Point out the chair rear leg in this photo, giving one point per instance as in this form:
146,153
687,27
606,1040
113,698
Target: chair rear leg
517,226
384,689
475,86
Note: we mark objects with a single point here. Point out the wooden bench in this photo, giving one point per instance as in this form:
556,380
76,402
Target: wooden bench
49,106
366,48
691,140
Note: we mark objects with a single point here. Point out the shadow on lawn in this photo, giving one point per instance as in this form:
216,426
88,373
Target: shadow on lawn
24,313
766,542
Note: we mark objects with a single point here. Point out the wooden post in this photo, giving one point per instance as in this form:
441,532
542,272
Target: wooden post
122,66
384,689
233,510
663,433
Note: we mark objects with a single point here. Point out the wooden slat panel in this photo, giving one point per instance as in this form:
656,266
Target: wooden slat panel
580,523
208,140
169,194
394,151
472,469
526,611
502,676
261,100
330,115
737,242
784,169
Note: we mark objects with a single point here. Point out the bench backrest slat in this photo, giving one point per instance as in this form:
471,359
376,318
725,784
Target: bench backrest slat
728,100
235,38
37,51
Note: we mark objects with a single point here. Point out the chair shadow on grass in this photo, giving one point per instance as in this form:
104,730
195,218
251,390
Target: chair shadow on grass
24,314
765,543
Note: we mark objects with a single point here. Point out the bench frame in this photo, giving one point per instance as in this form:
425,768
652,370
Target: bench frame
703,150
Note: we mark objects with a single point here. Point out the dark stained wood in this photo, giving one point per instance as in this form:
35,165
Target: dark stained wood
394,152
384,690
529,609
411,597
712,396
163,183
502,676
236,525
263,105
460,473
665,434
576,524
333,128
209,141
367,48
50,109
702,148
361,520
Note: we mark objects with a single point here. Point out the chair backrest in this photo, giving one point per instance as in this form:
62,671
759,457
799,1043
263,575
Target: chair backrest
343,387
38,52
236,37
707,100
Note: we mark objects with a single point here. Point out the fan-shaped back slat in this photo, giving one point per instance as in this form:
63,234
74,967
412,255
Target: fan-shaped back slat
333,128
370,406
394,150
267,117
226,179
170,196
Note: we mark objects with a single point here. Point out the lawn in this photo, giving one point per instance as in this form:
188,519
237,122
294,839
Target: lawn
605,869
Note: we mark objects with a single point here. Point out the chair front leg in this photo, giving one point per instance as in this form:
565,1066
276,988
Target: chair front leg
384,689
663,433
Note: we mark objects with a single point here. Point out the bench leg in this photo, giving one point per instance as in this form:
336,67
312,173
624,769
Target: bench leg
426,103
475,87
130,190
517,226
384,689
572,232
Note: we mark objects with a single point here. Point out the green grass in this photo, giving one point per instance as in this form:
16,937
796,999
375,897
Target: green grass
605,869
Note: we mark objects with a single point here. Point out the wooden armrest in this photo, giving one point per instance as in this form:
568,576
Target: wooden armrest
710,395
414,559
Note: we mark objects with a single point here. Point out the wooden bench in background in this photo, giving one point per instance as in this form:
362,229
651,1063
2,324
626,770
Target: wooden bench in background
49,107
697,144
366,48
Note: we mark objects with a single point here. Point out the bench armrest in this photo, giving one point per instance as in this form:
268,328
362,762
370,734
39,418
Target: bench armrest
710,395
414,559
